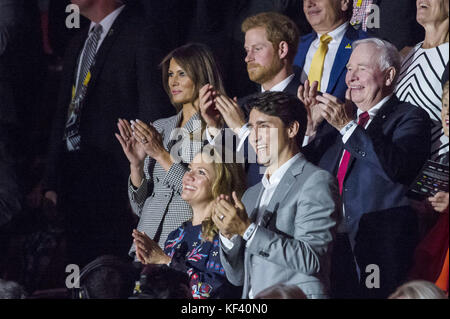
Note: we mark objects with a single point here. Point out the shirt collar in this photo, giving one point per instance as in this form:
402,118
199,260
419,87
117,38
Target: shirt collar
108,21
337,34
276,177
374,109
280,86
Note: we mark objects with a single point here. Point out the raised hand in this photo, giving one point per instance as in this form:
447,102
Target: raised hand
307,94
231,112
208,108
230,218
336,113
439,202
130,146
147,250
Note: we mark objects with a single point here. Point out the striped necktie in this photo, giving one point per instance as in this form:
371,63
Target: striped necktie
72,135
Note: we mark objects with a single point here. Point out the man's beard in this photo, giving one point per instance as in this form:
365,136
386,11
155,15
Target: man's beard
262,74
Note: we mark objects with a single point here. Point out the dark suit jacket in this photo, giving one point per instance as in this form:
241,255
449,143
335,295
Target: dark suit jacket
253,175
336,84
385,159
125,83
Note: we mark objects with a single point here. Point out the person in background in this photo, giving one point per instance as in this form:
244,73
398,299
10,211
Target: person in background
109,72
162,282
418,289
281,291
393,21
323,55
422,69
271,41
11,290
194,246
431,256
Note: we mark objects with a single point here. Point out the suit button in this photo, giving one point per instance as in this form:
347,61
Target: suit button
345,189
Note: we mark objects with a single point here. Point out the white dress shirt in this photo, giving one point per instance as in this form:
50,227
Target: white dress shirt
337,35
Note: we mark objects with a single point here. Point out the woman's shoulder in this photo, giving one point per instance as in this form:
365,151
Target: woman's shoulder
163,123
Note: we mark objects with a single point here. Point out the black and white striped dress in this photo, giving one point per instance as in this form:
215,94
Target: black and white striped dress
420,84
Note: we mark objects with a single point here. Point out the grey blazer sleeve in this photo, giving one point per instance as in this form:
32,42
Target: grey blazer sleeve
233,261
314,222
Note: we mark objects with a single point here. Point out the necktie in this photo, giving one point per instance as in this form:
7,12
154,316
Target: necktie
72,125
316,69
363,119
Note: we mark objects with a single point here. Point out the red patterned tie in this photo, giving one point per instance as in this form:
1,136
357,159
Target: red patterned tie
363,118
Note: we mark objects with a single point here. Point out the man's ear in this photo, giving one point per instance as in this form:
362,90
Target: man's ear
283,50
293,128
390,76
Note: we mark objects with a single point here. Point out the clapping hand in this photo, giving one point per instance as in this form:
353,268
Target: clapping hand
130,145
149,138
307,94
231,112
208,108
230,218
439,202
336,113
147,250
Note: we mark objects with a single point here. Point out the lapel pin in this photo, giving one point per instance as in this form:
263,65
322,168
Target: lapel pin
348,46
111,31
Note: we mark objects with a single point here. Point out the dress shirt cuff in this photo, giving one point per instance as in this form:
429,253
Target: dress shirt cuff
250,233
348,130
244,132
227,244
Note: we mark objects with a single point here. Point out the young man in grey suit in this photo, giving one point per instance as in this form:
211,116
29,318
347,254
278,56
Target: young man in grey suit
282,229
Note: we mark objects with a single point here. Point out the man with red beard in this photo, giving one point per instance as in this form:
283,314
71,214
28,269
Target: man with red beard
271,41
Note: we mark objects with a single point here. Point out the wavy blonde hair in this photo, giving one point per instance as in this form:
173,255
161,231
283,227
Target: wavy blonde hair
229,177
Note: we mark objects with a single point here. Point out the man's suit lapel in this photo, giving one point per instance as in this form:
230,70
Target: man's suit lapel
292,87
305,43
282,190
342,57
106,45
376,126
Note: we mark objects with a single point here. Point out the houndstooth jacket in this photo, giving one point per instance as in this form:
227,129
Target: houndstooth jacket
157,201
